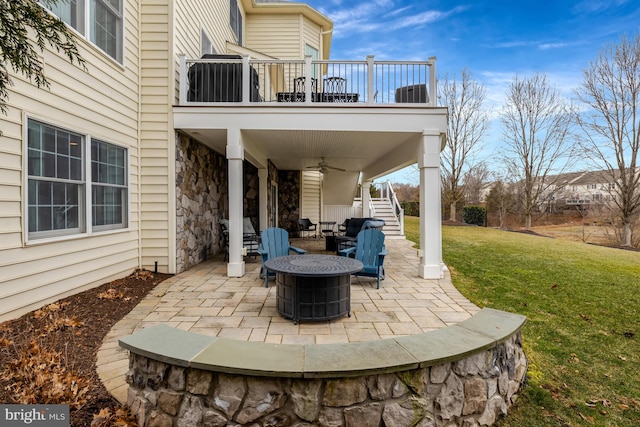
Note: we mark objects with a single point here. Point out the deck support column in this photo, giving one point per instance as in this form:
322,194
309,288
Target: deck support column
430,254
235,157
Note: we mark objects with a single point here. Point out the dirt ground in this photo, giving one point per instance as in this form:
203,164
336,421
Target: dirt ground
74,329
577,232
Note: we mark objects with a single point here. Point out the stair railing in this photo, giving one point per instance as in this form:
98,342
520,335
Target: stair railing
387,193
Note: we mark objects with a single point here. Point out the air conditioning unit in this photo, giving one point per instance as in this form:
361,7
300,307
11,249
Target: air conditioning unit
414,94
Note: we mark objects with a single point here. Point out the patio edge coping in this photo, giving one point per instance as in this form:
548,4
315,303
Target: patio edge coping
486,329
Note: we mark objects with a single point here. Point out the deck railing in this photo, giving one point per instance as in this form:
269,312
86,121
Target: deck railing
228,79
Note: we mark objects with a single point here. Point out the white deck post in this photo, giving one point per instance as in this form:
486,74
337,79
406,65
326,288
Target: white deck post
246,80
370,84
182,92
430,265
308,75
235,156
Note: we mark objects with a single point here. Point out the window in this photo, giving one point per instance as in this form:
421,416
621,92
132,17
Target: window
205,42
108,185
313,52
56,181
102,25
235,19
57,184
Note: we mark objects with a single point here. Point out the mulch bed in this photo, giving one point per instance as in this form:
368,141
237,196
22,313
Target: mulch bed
84,321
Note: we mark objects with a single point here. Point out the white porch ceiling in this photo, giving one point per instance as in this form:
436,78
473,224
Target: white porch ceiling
373,141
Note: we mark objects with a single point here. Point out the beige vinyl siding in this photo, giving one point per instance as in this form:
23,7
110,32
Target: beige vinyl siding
310,200
102,102
156,136
192,16
10,179
275,35
311,35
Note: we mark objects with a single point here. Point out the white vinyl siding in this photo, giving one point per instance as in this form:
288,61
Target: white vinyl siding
101,101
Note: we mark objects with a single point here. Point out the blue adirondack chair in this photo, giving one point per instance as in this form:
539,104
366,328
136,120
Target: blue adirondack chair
274,242
369,250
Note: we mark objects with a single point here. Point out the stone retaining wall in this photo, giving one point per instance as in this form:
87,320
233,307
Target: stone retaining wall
472,390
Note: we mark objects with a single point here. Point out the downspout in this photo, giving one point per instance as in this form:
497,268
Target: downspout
171,147
139,139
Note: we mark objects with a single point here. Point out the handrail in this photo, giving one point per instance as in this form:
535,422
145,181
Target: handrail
242,80
388,193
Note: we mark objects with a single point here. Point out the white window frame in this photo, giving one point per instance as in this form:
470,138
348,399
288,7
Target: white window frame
81,182
120,187
206,45
86,206
85,23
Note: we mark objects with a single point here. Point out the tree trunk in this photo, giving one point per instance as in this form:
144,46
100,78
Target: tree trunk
527,222
452,212
625,239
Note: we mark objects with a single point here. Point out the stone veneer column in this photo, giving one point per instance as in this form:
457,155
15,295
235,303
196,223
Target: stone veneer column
201,177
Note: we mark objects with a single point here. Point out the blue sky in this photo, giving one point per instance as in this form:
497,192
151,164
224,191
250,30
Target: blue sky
495,39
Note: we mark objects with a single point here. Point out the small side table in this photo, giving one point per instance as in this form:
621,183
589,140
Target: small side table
327,227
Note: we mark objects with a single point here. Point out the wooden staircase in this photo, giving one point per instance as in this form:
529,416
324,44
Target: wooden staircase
384,210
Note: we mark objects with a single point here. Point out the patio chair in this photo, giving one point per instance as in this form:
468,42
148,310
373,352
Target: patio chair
305,224
274,243
250,239
342,228
370,251
355,226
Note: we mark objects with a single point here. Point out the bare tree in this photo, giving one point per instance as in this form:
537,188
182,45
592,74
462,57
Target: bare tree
468,122
537,131
19,21
501,201
473,181
611,90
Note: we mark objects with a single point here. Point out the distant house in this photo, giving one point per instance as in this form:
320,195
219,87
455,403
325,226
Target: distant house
578,190
192,112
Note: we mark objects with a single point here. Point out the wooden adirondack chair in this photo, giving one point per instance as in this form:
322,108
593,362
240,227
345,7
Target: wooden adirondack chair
274,242
370,251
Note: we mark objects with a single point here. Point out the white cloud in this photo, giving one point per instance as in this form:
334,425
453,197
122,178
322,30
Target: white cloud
546,46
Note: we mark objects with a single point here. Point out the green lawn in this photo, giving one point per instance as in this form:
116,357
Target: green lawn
582,335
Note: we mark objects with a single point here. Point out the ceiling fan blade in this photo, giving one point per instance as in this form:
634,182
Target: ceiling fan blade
335,168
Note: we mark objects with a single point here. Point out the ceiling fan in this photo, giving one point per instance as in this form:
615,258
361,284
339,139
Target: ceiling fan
324,167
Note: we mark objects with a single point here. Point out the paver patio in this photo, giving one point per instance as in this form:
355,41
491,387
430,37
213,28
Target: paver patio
205,301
